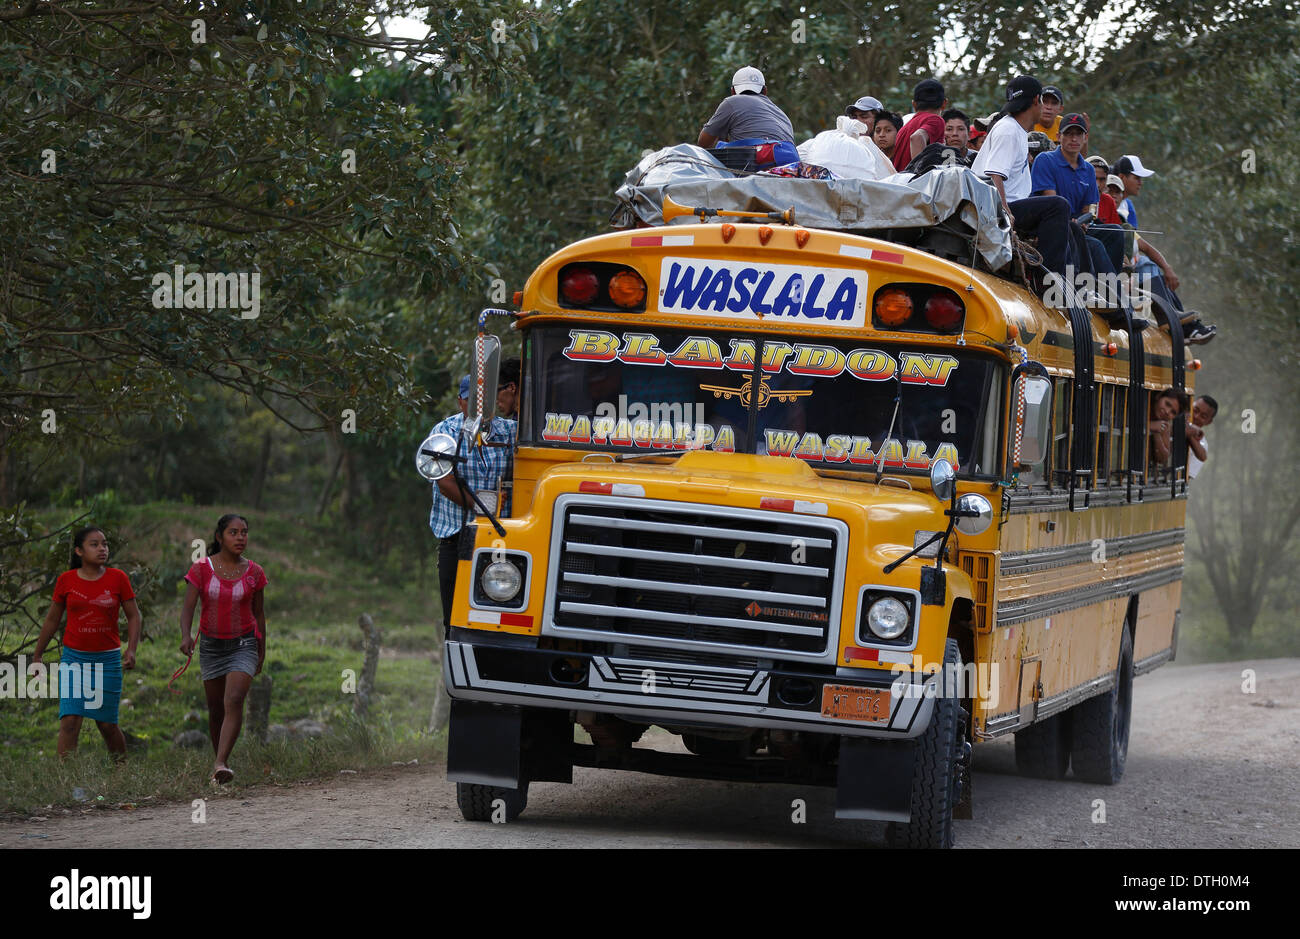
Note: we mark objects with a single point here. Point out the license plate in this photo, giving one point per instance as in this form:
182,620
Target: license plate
852,703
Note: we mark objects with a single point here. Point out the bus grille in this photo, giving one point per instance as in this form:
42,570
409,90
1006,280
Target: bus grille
674,575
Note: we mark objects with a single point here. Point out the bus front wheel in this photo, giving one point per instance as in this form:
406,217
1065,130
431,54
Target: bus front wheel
941,755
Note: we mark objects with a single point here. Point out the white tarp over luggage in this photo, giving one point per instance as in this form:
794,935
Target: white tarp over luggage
694,178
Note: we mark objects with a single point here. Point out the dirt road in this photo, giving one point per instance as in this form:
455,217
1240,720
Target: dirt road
1208,766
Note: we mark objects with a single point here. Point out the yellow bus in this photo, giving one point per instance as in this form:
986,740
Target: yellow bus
830,508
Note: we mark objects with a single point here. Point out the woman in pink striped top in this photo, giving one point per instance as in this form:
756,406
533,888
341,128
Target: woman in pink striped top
232,627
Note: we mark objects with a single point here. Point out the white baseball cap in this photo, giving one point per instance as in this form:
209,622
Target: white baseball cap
1131,164
865,103
748,79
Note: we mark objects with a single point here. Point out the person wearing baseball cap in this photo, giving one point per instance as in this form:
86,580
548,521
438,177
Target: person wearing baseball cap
865,110
1063,172
1152,268
748,115
1004,160
925,127
1131,172
1053,105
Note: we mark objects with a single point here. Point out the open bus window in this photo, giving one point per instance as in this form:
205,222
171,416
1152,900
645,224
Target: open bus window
829,403
1061,419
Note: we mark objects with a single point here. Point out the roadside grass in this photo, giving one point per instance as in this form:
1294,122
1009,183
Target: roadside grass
89,779
313,603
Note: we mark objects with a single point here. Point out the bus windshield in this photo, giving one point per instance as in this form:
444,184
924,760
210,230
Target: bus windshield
829,403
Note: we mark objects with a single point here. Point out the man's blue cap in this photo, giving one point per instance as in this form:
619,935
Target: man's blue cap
464,387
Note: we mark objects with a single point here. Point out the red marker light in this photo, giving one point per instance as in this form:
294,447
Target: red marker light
943,313
579,285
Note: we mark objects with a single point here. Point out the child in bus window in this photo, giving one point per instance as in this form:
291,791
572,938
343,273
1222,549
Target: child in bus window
1165,409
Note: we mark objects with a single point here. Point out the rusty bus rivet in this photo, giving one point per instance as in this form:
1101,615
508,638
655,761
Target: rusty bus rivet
801,237
764,234
728,230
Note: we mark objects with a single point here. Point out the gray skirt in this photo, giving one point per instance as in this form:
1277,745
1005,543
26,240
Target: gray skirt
219,657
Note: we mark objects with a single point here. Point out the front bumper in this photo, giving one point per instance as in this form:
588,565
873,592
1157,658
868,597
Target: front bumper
673,693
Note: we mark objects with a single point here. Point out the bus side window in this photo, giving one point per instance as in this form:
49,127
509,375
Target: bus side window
1105,403
1119,434
1061,416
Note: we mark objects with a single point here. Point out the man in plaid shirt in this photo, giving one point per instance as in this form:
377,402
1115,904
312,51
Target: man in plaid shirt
485,470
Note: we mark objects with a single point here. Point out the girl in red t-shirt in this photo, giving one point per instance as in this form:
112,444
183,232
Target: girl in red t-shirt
90,668
232,627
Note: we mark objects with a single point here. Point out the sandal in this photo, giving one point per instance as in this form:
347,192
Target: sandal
223,775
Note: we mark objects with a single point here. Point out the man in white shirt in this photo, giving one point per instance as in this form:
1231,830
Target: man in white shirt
1204,410
1004,158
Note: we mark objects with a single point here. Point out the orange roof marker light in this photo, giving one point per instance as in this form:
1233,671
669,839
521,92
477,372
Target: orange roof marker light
728,232
764,234
1194,365
801,237
627,289
893,307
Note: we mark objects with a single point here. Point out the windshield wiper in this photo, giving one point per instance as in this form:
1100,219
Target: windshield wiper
898,400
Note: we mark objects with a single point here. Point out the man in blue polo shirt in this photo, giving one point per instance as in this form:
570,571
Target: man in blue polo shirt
1064,172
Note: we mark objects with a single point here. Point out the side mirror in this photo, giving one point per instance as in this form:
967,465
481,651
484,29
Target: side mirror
436,456
942,478
1035,431
486,364
974,514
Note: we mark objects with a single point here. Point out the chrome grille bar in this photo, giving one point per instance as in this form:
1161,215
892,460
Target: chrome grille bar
617,612
699,589
699,531
674,557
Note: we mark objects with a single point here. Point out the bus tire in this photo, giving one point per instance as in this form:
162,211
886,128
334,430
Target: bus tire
1100,725
941,753
477,802
1043,748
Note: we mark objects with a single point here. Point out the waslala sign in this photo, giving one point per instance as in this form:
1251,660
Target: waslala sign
854,449
708,287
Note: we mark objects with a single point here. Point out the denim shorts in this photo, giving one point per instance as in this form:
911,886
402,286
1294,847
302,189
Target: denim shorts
219,657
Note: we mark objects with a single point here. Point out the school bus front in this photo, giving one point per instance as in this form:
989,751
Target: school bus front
725,451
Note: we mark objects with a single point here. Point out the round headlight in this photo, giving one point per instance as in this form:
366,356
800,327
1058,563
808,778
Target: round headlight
888,618
501,580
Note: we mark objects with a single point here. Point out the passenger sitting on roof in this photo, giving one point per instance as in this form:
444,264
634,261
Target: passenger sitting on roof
1153,270
1064,172
926,125
1004,158
1053,105
885,135
956,133
865,111
747,114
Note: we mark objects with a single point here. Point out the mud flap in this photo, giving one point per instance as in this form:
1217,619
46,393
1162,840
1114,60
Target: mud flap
484,743
875,779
